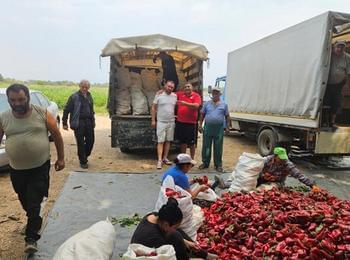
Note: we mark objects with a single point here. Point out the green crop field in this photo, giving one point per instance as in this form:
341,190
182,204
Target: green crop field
60,93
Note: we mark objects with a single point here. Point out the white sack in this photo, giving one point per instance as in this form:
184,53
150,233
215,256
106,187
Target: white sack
149,80
95,243
139,101
185,204
208,195
182,79
246,173
123,101
198,217
166,252
136,79
123,77
150,94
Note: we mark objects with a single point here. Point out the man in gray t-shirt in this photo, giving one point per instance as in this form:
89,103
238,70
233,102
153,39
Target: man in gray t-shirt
338,76
27,146
163,119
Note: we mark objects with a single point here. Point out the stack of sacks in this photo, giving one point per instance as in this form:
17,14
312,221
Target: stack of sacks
138,99
150,84
123,98
182,80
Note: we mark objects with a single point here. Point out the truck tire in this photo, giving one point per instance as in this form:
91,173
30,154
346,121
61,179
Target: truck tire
267,141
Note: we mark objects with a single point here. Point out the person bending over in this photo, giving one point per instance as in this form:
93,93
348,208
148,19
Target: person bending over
162,228
184,164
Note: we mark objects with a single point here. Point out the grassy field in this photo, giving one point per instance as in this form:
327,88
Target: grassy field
60,93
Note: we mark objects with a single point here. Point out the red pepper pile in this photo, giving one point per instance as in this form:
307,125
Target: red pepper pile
277,224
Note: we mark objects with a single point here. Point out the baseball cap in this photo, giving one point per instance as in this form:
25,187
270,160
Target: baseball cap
215,89
281,153
340,43
184,158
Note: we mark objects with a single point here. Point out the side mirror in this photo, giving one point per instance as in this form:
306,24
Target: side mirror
209,89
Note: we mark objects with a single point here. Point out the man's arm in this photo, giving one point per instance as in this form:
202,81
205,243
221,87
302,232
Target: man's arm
295,173
57,138
68,108
227,119
93,112
153,115
190,105
201,119
194,193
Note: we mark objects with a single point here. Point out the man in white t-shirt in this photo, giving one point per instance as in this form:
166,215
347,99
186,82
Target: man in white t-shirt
163,119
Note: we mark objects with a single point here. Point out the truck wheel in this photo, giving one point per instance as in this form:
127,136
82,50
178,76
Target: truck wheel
267,141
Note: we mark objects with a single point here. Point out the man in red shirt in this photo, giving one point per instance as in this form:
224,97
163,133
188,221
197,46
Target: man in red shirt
187,118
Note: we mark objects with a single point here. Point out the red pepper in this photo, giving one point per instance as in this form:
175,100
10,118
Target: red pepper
328,245
250,242
320,254
335,235
312,227
344,247
263,236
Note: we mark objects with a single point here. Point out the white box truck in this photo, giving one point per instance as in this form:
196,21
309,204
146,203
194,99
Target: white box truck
275,88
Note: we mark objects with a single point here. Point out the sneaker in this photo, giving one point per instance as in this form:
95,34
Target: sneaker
84,165
219,169
220,182
202,166
159,165
167,161
31,247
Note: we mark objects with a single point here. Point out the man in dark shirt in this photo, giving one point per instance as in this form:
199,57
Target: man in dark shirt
169,68
82,120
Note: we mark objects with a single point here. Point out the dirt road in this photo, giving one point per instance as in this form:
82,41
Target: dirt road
103,159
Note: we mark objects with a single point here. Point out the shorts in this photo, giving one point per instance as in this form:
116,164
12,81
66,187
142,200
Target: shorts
186,133
165,131
333,97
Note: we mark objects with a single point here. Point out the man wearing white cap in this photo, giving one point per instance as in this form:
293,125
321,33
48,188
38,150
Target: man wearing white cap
338,76
184,163
216,116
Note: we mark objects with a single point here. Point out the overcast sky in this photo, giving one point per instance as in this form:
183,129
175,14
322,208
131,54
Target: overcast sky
62,39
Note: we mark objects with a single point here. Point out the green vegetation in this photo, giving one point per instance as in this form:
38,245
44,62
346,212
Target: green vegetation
60,91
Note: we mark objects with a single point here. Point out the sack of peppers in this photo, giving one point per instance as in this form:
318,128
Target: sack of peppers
277,224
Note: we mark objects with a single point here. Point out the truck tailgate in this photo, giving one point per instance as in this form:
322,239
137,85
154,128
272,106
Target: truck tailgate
133,131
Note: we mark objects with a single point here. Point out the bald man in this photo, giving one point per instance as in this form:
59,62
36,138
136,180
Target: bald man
80,109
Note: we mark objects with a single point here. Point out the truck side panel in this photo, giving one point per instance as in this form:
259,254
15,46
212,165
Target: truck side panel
283,74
